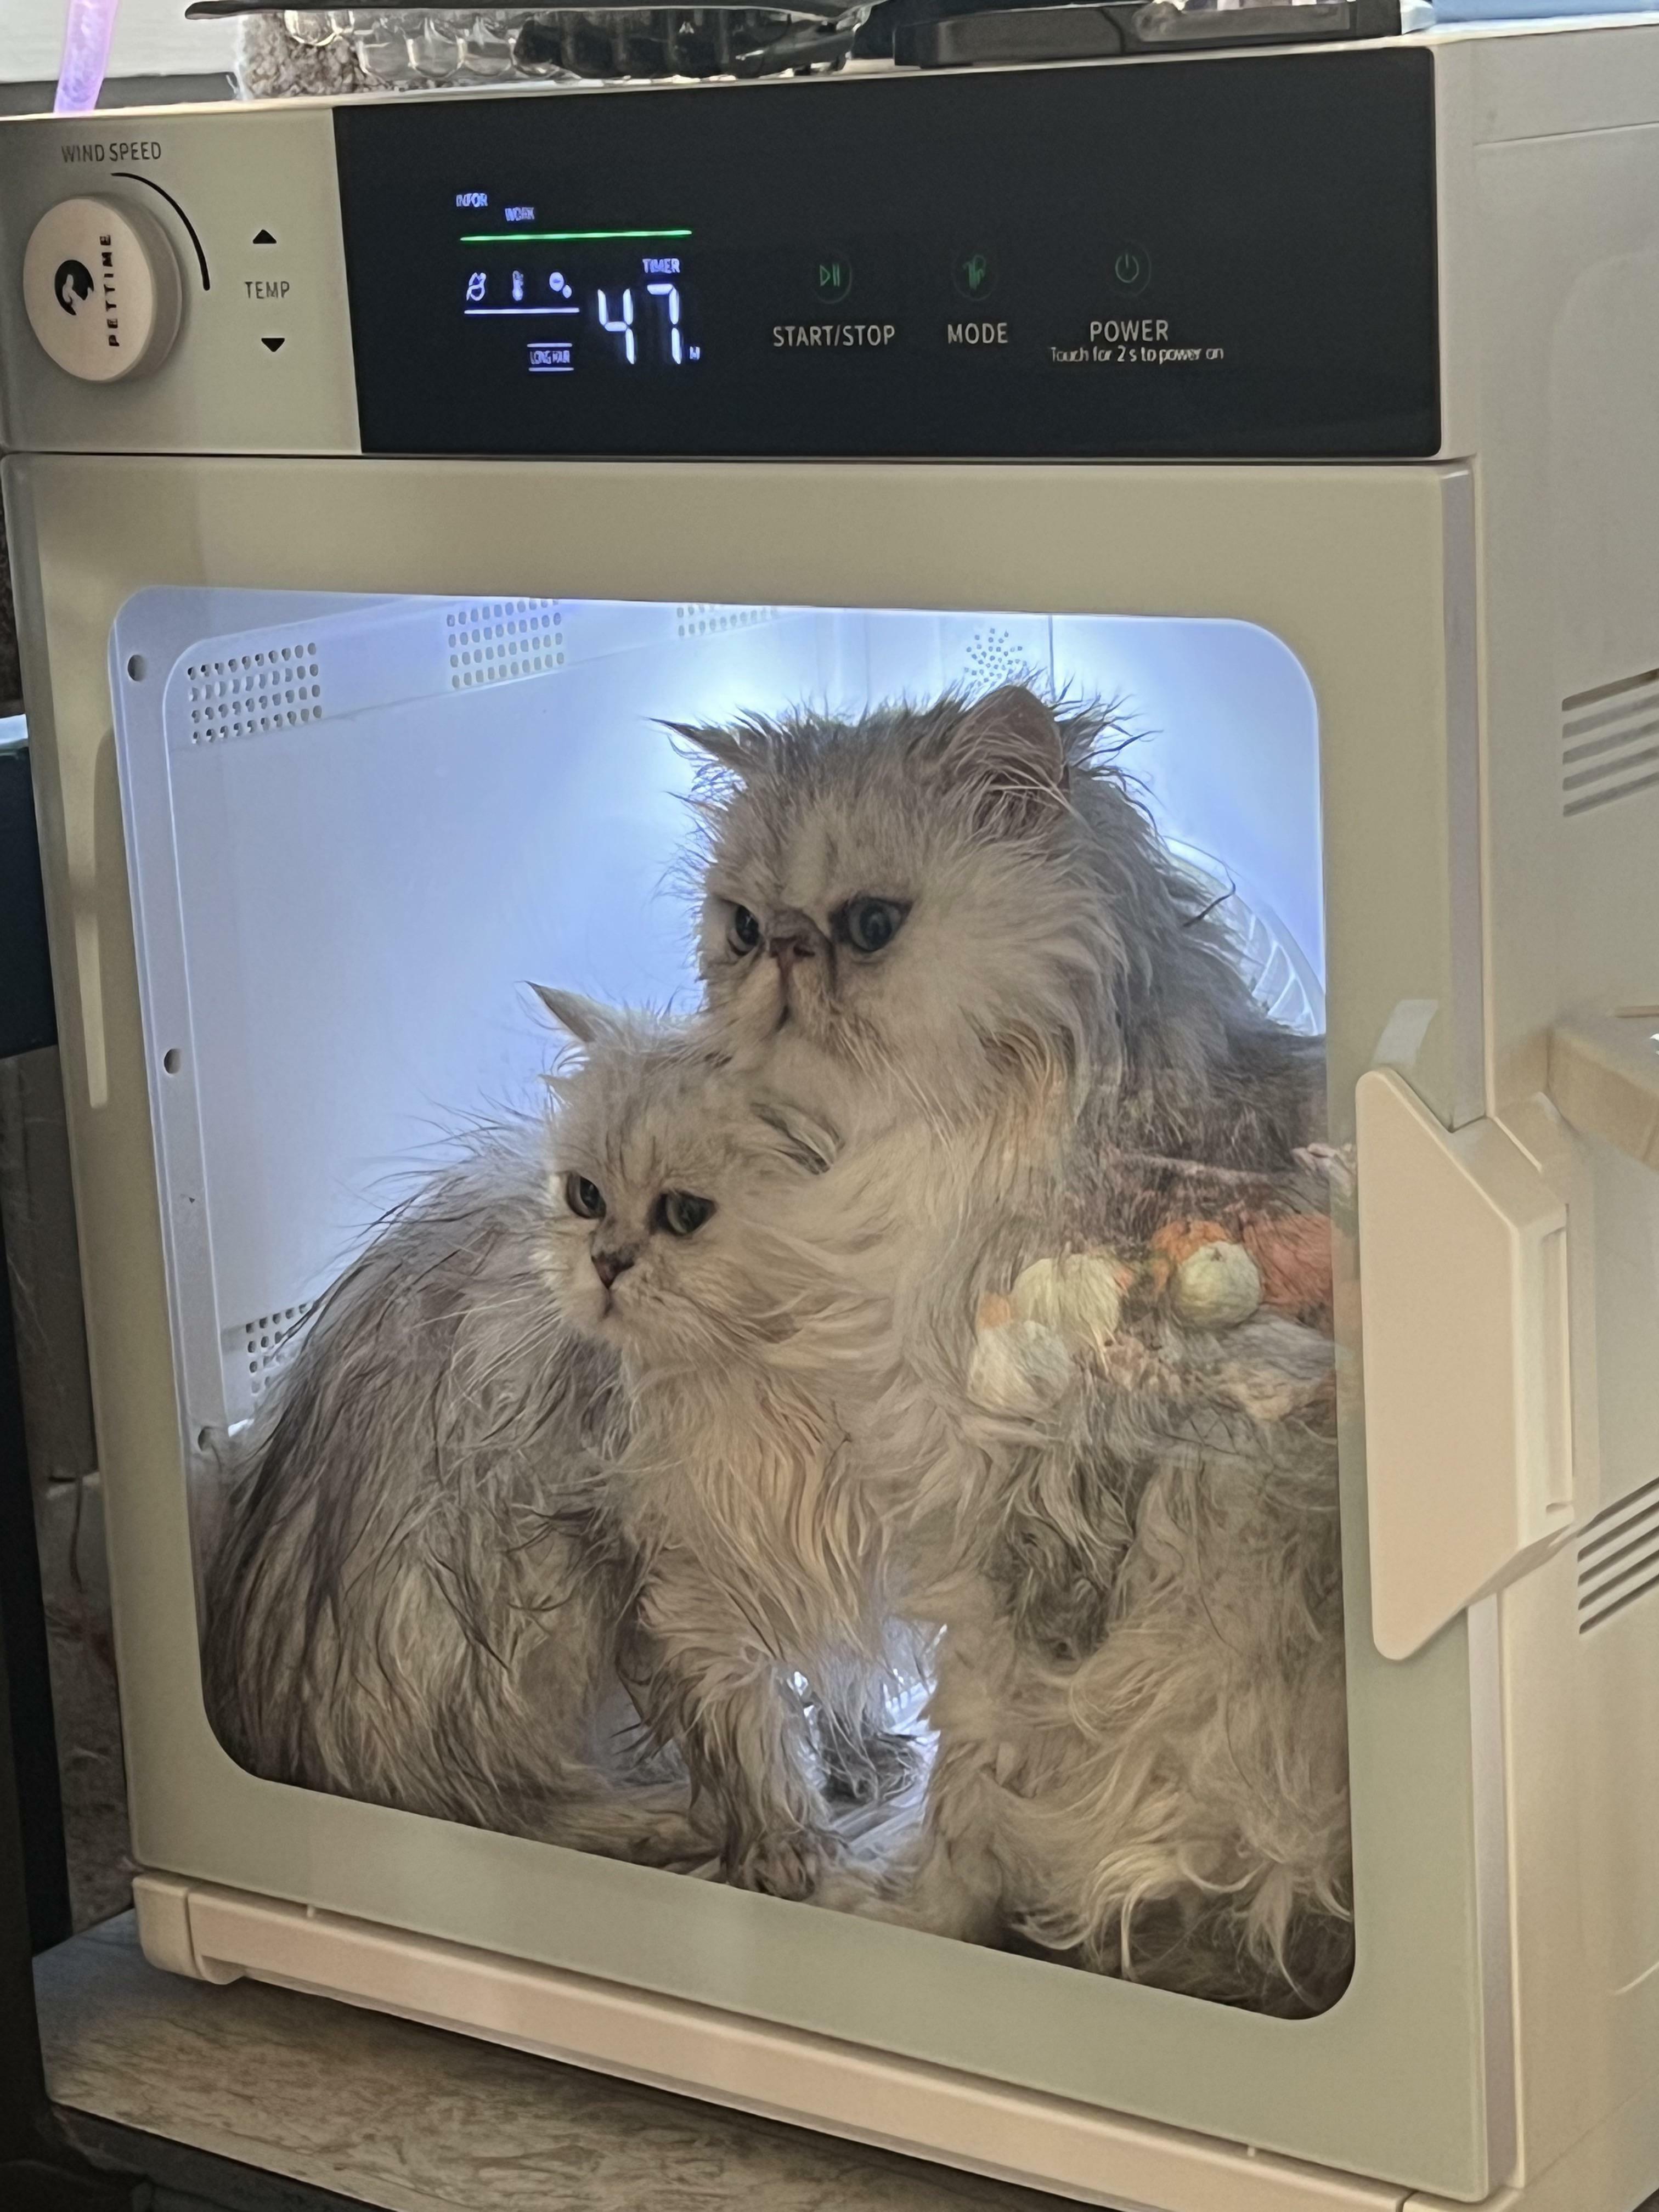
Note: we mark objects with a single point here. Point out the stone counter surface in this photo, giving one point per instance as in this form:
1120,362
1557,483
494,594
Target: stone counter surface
418,2120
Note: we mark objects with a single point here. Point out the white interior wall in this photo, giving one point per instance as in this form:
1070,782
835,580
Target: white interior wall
388,817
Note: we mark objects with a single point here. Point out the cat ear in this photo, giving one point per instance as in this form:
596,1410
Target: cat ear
584,1020
731,749
1010,749
807,1141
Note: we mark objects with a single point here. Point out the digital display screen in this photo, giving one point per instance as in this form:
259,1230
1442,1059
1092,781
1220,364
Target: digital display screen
589,301
1210,258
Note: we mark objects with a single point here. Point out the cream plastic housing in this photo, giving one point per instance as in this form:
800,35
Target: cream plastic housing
1604,1076
1367,588
214,1934
1500,2044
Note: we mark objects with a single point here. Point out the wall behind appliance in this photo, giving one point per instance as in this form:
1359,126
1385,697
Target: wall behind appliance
152,39
66,1721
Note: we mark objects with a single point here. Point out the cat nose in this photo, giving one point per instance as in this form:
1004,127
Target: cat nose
791,937
607,1265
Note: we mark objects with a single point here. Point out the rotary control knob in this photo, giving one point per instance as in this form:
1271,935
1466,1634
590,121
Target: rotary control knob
101,288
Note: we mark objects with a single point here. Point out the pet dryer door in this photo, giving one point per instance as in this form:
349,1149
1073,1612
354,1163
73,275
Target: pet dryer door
371,781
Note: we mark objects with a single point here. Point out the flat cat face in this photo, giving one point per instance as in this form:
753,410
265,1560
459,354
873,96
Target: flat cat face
903,908
677,1232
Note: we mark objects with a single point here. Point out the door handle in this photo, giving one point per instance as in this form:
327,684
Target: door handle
1464,1325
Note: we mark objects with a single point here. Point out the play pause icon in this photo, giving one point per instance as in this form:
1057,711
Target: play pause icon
835,276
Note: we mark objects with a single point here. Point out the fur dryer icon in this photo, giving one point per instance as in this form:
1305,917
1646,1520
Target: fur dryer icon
72,284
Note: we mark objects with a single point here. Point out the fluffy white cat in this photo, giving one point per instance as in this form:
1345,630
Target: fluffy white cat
699,1232
956,928
569,1425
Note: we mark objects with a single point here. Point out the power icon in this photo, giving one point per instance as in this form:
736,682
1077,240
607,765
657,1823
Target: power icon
1132,268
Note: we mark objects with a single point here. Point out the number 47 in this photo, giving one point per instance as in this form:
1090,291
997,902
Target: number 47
623,324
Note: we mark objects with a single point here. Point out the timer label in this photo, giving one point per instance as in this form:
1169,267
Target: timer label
834,334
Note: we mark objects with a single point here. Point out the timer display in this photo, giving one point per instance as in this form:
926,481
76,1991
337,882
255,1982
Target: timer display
590,301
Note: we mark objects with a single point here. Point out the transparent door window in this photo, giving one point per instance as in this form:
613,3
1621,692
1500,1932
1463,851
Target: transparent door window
996,1183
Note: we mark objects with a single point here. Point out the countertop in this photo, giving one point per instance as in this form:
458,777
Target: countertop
415,2119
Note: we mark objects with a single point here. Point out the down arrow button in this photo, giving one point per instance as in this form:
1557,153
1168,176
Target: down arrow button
273,345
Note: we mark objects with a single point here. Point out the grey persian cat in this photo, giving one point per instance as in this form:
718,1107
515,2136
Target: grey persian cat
956,928
701,1238
565,1430
415,1596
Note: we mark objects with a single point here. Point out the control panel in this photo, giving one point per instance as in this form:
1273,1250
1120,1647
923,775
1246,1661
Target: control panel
215,320
1203,258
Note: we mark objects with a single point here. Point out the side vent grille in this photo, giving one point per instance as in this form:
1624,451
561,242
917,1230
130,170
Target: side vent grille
502,638
1609,743
269,1342
247,695
700,621
1619,1557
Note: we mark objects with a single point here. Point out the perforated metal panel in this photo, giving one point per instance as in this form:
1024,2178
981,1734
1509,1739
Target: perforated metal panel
501,639
264,1345
258,690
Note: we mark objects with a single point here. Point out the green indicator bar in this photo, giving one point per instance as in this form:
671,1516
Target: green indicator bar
560,237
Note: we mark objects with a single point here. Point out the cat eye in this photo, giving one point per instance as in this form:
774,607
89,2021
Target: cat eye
744,931
870,925
681,1213
584,1198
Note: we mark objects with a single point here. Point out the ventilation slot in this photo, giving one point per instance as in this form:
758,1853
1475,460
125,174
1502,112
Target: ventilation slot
270,1342
1619,1557
1610,743
501,639
710,622
248,695
992,658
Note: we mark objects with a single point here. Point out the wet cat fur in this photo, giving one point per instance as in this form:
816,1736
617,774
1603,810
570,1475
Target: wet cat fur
1051,1020
525,1456
744,1342
417,1595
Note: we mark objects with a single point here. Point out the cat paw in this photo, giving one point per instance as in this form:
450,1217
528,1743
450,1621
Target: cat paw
779,1866
879,1766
